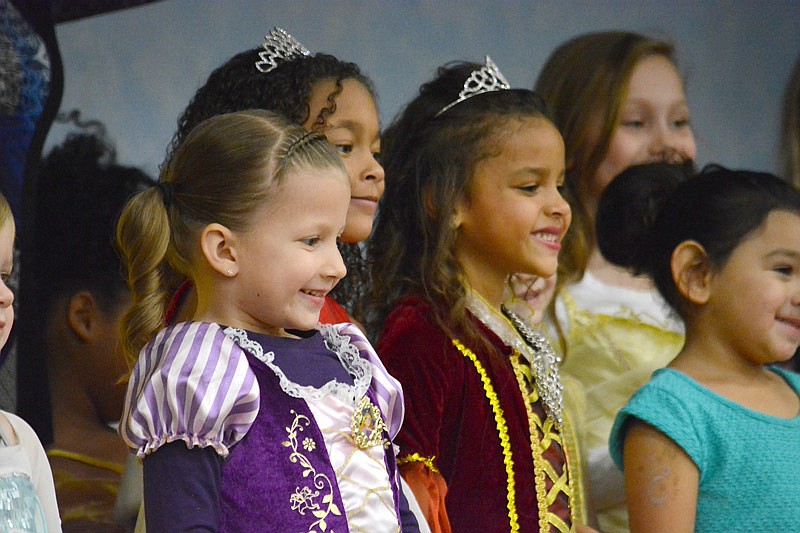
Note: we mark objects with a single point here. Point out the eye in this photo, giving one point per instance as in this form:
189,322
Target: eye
529,189
784,270
377,157
682,123
344,149
311,241
634,123
4,276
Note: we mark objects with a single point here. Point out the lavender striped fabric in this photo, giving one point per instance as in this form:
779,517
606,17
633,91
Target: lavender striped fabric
387,389
191,383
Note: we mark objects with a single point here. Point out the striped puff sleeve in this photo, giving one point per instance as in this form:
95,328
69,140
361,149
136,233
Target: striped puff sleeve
191,383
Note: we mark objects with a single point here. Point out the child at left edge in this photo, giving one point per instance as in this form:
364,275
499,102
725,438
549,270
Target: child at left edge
27,492
246,417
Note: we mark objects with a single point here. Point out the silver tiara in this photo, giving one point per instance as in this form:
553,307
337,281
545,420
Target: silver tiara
484,80
279,46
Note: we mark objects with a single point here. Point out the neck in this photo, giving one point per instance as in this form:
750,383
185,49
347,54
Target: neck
614,275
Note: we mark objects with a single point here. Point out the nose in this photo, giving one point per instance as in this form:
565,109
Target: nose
334,265
373,171
6,295
669,145
558,207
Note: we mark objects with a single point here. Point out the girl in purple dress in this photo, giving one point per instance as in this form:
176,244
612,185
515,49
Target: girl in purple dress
247,417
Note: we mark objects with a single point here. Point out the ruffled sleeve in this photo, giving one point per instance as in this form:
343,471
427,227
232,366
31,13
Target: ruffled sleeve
191,383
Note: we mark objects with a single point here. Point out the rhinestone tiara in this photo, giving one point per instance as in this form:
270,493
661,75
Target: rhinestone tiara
279,46
486,79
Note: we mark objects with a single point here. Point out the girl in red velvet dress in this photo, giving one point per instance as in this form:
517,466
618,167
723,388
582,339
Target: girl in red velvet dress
473,177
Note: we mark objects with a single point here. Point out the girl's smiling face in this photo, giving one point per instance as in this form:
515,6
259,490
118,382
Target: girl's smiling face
353,128
514,217
754,299
653,124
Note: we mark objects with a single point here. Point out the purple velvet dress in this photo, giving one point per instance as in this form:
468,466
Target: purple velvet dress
268,409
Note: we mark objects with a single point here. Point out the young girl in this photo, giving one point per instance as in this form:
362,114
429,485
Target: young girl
473,197
245,416
27,493
80,181
619,101
712,443
323,94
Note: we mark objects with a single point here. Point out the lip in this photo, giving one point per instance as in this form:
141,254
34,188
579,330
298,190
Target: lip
554,231
317,298
370,202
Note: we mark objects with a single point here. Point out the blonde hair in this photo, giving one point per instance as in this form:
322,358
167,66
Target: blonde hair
790,128
226,169
584,82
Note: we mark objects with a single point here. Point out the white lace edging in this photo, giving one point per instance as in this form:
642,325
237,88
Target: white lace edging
349,356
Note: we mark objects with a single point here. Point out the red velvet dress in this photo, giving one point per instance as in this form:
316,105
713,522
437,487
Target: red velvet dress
468,422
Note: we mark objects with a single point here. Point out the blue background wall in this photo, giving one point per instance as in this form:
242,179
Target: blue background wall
137,69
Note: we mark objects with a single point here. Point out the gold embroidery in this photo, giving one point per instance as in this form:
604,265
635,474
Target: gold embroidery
502,431
304,498
417,458
543,469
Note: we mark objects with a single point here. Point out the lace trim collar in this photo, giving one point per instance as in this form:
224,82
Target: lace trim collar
532,345
349,357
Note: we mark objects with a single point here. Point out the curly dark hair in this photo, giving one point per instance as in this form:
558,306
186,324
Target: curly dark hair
81,192
238,85
429,159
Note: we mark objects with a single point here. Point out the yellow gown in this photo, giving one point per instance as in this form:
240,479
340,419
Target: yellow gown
614,338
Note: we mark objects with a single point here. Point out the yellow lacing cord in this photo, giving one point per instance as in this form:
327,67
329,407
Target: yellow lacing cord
502,431
85,459
540,466
417,458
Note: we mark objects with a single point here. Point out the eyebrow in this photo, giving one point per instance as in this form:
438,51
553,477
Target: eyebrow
783,252
352,125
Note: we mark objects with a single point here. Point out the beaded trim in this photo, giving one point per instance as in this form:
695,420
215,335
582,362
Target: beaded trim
502,431
531,345
417,458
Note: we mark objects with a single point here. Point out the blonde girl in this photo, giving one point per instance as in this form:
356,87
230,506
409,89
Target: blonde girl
618,99
246,414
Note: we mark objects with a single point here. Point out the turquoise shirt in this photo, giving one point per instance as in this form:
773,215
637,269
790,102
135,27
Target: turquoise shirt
749,462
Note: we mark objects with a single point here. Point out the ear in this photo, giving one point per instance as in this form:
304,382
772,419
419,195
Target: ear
691,271
218,244
82,315
456,218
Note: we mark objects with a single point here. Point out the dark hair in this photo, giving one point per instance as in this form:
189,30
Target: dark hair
429,161
718,208
81,191
238,85
629,204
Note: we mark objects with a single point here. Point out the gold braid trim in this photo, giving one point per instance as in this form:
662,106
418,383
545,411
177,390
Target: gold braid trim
542,468
417,458
502,431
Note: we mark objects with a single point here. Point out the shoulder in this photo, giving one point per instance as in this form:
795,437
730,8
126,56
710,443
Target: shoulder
191,383
670,402
411,319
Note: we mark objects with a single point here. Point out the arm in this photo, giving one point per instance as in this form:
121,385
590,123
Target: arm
181,489
429,489
661,482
